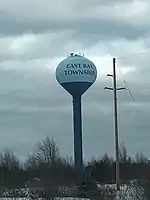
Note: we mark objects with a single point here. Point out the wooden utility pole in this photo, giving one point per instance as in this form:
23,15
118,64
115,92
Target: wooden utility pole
116,122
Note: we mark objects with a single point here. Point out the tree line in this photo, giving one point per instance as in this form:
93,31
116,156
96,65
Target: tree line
47,168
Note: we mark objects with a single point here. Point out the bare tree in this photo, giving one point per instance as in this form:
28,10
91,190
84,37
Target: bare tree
141,159
11,174
106,159
46,153
9,160
123,157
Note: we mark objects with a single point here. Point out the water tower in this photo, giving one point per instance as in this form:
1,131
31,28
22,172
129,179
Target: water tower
76,74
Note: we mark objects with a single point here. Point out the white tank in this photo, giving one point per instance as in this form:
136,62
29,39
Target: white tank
76,74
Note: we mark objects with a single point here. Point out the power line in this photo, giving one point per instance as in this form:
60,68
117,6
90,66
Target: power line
126,85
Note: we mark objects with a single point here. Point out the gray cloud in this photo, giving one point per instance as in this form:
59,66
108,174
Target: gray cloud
53,31
100,19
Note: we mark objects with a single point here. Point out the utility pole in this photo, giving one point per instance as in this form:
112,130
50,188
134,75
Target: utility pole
116,121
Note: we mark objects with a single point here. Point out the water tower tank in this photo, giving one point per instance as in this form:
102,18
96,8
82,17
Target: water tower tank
76,74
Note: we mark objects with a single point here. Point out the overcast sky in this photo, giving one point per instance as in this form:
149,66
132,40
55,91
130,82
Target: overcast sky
35,35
